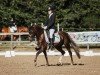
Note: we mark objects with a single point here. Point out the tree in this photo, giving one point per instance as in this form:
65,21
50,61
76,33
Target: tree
70,13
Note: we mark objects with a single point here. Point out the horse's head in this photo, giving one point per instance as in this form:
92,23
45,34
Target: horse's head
32,31
35,30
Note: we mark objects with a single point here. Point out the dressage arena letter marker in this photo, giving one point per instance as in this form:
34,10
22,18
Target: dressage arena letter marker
12,53
8,54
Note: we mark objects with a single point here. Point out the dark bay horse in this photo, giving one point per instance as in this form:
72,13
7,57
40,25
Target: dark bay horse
66,40
6,29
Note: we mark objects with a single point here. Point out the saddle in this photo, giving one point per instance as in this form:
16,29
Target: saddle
56,37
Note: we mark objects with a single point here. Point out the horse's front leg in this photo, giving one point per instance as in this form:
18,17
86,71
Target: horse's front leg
35,60
45,54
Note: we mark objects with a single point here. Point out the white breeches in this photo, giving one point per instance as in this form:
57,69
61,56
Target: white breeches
51,31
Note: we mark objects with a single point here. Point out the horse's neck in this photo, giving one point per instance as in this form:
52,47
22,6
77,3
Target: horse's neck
38,37
39,32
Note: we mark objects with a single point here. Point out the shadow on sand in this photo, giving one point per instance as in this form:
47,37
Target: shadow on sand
64,64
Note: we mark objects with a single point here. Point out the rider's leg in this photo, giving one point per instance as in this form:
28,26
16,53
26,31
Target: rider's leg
51,31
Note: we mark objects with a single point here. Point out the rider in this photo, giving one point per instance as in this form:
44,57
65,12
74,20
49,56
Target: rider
13,27
50,23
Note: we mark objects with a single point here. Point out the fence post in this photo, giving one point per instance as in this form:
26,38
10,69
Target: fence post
31,24
58,26
11,41
42,25
88,46
19,39
34,23
62,29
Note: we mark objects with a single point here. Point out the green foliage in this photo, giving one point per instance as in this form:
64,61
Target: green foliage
70,13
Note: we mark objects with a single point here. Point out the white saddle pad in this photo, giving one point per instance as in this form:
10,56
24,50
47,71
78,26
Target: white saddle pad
56,37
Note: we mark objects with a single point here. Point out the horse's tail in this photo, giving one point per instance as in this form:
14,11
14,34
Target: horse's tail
75,47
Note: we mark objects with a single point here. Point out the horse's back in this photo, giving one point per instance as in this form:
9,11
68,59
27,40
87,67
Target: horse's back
22,29
63,34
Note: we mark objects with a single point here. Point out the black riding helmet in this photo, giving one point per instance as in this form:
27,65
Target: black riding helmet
51,7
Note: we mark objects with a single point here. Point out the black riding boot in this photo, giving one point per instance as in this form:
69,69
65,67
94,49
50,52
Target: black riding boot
51,44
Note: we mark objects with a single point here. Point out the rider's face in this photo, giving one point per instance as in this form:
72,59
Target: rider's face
49,11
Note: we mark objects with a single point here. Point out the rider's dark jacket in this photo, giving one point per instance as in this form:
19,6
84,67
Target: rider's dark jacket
50,23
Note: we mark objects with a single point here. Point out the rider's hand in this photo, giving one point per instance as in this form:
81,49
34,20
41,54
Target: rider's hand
45,27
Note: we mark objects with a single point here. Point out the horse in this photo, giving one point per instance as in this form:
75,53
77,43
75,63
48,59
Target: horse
65,40
6,29
22,29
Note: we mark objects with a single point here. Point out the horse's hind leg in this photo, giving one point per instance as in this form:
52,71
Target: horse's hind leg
59,48
70,53
45,54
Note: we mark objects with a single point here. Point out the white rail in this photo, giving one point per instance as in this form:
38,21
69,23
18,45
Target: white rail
78,37
12,34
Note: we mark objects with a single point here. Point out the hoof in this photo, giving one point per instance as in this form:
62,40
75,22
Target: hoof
35,64
72,63
47,65
59,64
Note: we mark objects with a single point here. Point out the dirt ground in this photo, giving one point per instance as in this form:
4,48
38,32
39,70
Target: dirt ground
24,65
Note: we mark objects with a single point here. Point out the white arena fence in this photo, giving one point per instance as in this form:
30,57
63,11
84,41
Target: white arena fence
11,35
86,38
81,38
